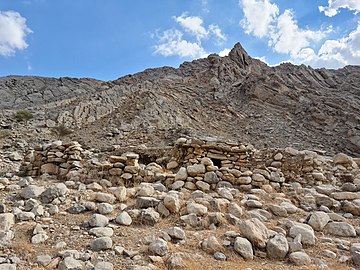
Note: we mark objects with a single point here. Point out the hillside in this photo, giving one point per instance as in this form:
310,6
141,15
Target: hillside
233,98
222,163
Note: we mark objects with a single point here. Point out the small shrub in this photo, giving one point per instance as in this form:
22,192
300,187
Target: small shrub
23,115
61,131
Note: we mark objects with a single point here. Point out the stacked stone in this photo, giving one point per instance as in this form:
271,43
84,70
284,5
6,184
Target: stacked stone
198,164
207,164
125,169
280,167
245,167
57,159
227,155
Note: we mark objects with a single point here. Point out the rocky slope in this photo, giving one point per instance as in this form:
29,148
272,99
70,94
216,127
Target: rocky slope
203,205
234,97
123,191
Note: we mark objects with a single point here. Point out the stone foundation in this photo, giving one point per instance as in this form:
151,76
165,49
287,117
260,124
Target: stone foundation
194,164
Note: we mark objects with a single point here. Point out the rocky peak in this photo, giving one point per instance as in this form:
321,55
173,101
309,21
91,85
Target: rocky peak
240,56
225,97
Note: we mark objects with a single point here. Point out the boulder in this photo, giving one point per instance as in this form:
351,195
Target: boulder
244,248
318,220
181,175
255,231
344,195
7,221
101,243
277,247
70,263
53,192
176,233
105,197
340,229
145,202
211,245
194,170
299,258
306,232
352,207
124,219
196,208
101,231
211,178
355,253
149,216
159,247
49,168
342,158
105,208
104,266
172,203
31,191
98,220
176,262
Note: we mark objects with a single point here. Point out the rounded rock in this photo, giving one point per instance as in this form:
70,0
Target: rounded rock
101,243
98,220
124,219
159,247
299,258
277,247
105,208
244,248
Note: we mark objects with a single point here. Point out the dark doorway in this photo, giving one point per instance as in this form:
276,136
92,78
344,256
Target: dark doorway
216,162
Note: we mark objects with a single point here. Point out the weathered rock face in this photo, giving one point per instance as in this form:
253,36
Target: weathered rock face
279,106
142,205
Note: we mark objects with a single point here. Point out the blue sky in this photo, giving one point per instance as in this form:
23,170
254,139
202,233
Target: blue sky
107,39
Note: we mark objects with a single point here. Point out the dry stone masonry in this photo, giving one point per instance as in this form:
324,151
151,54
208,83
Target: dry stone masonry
135,208
118,192
197,164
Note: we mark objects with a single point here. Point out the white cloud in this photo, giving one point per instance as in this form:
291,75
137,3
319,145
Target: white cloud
218,34
13,31
285,36
262,19
288,38
263,59
334,53
192,25
224,52
259,16
335,5
172,43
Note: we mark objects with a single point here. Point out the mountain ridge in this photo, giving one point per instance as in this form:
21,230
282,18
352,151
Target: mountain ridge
234,97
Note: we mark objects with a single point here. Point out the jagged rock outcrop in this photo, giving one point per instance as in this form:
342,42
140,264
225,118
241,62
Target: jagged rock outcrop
235,97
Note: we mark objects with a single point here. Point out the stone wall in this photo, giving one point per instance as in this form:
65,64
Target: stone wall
57,158
195,164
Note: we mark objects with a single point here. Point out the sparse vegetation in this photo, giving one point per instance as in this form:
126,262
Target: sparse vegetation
23,115
61,131
22,245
